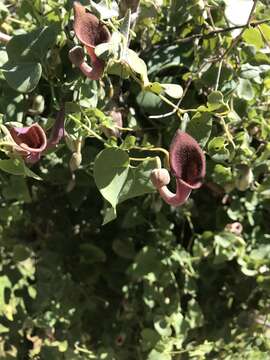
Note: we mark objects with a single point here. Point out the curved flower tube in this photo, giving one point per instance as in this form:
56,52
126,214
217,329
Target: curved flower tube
58,129
31,141
90,32
187,163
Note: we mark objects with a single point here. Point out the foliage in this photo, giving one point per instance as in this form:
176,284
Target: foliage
94,265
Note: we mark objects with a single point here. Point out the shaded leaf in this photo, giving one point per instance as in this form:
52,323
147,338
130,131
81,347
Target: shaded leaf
22,77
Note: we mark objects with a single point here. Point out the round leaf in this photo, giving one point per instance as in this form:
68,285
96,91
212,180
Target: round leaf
22,77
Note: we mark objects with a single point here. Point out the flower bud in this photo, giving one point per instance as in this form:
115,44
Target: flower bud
235,228
76,56
75,161
245,177
160,177
38,105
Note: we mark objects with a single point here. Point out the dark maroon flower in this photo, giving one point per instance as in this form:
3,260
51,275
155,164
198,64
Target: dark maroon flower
187,163
90,32
30,142
58,129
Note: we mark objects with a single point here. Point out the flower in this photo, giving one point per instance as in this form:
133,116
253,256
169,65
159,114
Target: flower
90,32
187,163
30,142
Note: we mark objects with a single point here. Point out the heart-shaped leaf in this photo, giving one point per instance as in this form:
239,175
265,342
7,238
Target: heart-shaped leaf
173,90
137,65
22,77
31,46
110,173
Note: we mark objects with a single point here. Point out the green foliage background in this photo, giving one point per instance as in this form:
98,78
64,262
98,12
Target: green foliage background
156,283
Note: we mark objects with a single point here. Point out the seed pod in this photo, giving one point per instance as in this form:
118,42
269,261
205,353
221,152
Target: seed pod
160,177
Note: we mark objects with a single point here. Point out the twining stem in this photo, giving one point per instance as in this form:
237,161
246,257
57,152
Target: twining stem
218,74
219,31
124,128
238,37
229,136
140,159
156,149
85,127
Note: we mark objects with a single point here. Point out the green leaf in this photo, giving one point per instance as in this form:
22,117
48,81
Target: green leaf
200,127
92,254
117,181
103,50
138,180
4,283
252,36
245,90
156,355
222,174
110,173
17,189
173,90
105,9
124,248
149,338
137,65
17,167
249,71
20,253
118,68
217,149
201,350
3,329
162,327
109,215
33,46
154,87
22,77
215,104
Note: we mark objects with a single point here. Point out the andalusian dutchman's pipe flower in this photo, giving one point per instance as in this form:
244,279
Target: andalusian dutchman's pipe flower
31,141
90,32
187,163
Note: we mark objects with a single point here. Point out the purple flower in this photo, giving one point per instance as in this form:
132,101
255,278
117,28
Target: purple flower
90,32
30,142
187,163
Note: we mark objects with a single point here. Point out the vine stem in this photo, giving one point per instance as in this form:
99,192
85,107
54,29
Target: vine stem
140,159
220,31
218,74
90,131
229,136
156,149
238,37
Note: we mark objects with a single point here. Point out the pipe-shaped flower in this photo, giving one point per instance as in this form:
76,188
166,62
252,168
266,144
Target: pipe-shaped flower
90,32
31,141
58,129
187,163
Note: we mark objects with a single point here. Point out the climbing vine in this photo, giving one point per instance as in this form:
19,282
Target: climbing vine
134,159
